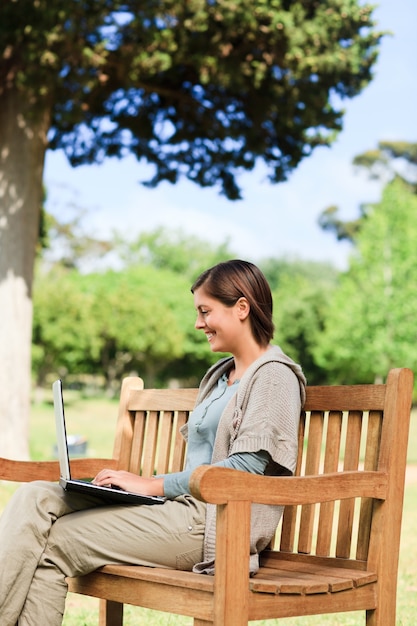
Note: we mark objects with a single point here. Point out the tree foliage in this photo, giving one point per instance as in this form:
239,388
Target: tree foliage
162,248
301,290
196,88
65,335
141,317
109,323
344,230
370,321
67,242
113,323
391,159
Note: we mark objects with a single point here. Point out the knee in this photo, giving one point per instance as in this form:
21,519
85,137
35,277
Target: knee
39,488
37,494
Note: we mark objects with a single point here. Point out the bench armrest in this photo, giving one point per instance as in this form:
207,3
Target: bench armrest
25,471
219,485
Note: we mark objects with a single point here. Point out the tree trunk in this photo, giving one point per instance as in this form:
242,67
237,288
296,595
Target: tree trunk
22,151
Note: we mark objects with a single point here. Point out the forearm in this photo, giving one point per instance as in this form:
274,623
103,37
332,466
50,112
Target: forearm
252,462
131,482
177,483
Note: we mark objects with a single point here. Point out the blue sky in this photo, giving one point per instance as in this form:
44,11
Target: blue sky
271,220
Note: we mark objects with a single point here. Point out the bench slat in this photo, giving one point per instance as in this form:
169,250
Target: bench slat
312,463
162,400
370,463
331,463
345,398
351,463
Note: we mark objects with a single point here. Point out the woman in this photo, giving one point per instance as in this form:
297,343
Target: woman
246,418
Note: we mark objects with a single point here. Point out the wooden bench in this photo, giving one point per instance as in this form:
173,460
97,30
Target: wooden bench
340,555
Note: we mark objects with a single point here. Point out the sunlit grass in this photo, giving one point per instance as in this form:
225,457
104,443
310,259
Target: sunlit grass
94,419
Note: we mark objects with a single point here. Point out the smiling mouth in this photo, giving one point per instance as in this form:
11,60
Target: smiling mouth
210,336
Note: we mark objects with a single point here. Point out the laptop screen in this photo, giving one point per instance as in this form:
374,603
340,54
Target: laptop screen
61,433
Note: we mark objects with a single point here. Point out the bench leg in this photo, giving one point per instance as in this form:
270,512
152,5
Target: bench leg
110,613
202,622
380,617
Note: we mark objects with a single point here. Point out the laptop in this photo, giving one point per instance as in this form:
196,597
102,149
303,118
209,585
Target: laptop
108,494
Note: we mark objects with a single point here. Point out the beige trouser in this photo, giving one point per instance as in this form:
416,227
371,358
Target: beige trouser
47,534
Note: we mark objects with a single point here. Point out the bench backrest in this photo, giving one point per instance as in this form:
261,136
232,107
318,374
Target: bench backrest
342,428
148,440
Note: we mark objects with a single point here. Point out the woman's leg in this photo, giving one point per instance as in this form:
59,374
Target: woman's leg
24,530
168,535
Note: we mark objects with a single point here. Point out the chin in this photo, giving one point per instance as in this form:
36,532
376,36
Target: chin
218,349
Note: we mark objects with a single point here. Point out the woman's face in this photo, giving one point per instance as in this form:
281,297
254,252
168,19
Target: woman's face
221,324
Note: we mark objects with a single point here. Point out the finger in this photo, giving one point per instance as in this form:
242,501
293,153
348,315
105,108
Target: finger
103,476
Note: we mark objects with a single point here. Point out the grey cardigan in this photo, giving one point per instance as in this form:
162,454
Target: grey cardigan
262,415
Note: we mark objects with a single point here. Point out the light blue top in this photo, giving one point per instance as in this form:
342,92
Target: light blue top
202,428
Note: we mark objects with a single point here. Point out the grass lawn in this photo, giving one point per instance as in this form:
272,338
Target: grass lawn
95,420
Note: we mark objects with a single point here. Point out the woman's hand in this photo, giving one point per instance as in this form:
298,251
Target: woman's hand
130,482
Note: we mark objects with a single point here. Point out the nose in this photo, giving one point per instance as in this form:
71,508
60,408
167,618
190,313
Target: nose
199,322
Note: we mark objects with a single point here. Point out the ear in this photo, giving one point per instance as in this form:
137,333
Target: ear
242,308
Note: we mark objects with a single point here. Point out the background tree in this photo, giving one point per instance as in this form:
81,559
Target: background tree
301,291
198,89
65,331
164,248
66,243
391,159
370,323
109,324
139,318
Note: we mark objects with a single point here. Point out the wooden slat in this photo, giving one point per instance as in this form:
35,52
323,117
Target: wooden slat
328,578
273,558
165,428
148,592
331,462
303,580
162,400
370,463
124,429
150,443
288,582
289,518
138,442
351,462
162,575
315,438
179,444
373,440
345,398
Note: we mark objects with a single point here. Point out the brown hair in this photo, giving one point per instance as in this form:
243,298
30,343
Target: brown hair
231,280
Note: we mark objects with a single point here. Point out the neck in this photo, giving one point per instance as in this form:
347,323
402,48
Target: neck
244,360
